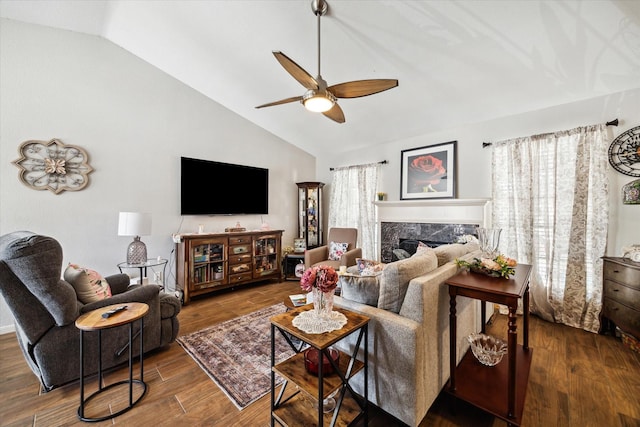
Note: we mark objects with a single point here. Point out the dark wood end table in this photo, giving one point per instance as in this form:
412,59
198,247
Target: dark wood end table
500,389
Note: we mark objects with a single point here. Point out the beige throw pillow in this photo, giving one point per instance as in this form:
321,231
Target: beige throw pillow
396,276
90,286
447,253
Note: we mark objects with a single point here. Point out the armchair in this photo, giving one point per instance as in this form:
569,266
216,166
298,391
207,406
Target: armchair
45,308
320,255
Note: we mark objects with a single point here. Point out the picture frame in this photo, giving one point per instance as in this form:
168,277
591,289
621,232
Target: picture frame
299,246
428,172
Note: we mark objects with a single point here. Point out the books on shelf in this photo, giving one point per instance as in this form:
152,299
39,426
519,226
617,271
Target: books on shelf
298,299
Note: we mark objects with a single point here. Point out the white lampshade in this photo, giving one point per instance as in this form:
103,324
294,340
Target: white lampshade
134,224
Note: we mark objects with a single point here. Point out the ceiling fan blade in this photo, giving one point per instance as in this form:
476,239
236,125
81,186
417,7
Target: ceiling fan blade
335,113
282,101
296,71
360,88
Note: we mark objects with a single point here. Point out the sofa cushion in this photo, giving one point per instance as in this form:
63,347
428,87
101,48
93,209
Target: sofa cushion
395,278
447,253
90,286
336,250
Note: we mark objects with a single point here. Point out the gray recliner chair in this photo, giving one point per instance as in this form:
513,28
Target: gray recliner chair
45,308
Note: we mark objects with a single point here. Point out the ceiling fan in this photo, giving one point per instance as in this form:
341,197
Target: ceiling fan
322,98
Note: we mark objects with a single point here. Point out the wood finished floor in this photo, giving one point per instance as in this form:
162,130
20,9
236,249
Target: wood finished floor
577,379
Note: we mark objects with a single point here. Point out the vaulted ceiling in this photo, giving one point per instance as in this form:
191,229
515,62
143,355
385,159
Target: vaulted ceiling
457,62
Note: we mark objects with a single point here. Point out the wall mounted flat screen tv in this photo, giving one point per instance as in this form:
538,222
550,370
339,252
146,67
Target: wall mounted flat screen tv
215,188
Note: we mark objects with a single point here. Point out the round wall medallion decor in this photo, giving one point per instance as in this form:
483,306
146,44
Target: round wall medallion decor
53,166
624,152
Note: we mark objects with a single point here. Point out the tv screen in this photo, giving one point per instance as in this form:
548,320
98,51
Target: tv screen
215,188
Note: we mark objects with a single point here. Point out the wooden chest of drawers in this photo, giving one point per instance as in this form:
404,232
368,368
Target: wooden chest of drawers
621,296
240,258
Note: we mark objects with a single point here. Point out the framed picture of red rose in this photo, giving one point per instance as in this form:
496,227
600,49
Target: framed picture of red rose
428,172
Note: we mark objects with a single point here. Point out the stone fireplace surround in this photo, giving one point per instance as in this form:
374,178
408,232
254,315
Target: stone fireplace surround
403,223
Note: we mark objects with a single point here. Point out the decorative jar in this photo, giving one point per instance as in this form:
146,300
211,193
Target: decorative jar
311,360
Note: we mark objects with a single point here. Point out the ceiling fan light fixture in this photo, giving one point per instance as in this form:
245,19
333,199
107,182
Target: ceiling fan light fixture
318,101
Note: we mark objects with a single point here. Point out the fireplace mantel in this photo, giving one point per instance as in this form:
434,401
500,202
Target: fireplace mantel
463,211
434,202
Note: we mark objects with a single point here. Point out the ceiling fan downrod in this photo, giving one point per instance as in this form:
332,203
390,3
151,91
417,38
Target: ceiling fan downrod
319,8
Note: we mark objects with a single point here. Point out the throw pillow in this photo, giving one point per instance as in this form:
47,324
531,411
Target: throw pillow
90,286
367,267
422,247
447,253
362,289
396,276
336,250
401,253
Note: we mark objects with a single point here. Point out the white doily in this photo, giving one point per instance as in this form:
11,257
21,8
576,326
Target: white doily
309,323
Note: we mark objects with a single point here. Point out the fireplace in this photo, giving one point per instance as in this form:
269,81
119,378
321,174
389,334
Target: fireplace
407,235
434,222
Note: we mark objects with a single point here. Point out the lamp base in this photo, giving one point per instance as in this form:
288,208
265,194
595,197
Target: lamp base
136,252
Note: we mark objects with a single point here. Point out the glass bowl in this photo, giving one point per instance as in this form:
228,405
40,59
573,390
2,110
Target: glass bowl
487,349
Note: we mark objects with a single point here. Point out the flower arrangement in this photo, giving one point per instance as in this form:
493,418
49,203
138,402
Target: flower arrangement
322,277
500,266
287,250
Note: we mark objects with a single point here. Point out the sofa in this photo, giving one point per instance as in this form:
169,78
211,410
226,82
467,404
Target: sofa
45,307
408,340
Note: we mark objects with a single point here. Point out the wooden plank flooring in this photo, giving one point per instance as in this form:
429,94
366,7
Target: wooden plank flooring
577,379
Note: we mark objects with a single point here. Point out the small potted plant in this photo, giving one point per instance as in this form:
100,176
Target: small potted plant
381,196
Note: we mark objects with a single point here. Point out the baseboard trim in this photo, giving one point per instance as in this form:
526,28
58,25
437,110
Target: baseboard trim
7,329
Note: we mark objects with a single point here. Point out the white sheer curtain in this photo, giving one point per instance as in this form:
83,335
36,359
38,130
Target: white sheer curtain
550,199
353,191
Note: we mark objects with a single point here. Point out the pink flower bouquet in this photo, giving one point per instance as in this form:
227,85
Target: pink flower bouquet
322,277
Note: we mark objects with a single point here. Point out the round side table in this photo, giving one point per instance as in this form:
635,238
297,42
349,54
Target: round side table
94,321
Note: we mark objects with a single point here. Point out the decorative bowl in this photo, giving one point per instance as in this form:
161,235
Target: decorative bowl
487,349
311,356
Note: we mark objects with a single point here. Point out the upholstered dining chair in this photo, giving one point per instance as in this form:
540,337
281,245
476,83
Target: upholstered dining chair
341,249
45,307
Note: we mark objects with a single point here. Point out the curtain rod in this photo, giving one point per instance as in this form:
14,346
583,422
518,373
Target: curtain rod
381,162
613,122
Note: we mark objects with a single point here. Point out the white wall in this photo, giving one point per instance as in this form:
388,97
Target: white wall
474,162
135,122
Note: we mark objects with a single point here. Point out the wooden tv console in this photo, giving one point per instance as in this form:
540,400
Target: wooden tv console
214,261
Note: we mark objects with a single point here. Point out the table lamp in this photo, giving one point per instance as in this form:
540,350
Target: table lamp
135,224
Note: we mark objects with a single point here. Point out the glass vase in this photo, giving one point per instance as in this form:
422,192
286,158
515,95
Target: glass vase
489,239
322,302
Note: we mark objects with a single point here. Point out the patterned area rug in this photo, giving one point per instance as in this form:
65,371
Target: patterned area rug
236,354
